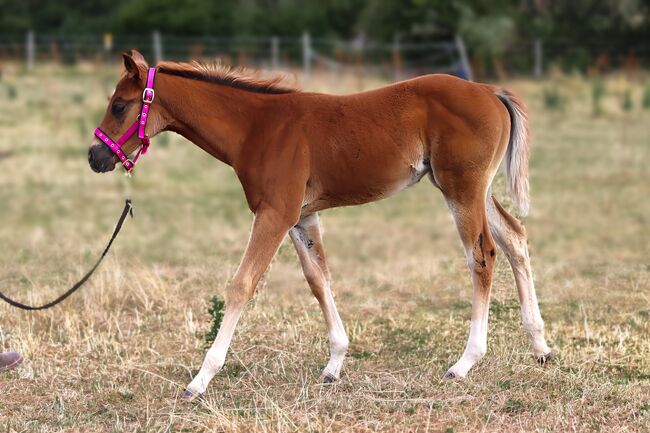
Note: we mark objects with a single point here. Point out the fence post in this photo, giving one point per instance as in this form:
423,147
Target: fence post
157,46
397,59
538,48
29,50
275,52
306,54
464,60
359,46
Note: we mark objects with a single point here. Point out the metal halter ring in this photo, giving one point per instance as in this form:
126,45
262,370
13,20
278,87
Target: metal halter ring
144,95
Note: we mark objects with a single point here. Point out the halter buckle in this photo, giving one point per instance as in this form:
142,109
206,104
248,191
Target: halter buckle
145,95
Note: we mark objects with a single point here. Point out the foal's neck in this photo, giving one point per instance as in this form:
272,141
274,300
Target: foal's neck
215,117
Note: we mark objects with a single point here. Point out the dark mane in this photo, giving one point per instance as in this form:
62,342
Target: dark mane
239,78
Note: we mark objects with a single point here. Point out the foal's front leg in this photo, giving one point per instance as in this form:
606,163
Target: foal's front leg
269,229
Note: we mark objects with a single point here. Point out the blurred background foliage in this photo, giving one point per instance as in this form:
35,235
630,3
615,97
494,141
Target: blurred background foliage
612,23
502,36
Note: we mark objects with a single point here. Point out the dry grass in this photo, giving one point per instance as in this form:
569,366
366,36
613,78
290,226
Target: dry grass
116,356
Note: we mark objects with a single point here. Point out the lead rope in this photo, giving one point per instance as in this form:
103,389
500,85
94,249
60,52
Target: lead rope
128,210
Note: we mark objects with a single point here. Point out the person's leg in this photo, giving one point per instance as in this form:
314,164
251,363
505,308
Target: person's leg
9,360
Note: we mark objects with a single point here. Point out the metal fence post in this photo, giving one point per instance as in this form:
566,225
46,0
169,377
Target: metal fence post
359,45
397,59
306,54
157,46
275,52
538,48
464,60
30,50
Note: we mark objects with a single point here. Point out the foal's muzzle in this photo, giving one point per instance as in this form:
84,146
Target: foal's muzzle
100,158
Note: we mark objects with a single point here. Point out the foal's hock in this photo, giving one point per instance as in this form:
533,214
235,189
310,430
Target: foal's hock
298,153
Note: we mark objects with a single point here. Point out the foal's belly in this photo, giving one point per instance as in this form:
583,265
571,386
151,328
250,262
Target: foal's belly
359,184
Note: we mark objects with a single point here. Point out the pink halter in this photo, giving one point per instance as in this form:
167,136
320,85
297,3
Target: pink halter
139,125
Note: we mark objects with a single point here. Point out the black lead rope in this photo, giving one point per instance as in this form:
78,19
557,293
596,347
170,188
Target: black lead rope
128,210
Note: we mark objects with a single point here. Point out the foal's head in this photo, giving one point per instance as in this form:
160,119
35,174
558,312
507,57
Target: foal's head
123,109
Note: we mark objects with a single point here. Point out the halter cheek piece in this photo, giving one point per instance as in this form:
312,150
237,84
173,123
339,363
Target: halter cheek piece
139,125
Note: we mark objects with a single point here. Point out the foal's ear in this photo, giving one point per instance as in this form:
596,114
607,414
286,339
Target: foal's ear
131,66
139,58
135,64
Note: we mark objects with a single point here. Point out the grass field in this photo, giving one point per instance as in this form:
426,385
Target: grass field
117,356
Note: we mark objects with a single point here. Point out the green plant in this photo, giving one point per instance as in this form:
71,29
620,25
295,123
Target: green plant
12,92
163,140
646,99
627,103
504,384
216,314
78,98
81,125
553,100
597,93
514,405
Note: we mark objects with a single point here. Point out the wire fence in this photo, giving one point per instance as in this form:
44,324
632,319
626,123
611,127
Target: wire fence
396,60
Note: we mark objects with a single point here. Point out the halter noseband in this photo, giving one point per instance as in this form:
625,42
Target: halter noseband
139,125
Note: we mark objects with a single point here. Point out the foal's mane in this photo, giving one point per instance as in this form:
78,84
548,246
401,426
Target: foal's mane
237,77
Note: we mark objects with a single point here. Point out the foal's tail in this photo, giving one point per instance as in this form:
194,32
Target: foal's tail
518,152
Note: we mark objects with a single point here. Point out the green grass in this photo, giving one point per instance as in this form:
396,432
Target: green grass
116,356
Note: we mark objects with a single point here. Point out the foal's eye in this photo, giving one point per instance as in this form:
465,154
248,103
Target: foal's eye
118,108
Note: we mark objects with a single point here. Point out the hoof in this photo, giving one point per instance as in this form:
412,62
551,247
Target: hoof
328,378
546,358
190,396
450,375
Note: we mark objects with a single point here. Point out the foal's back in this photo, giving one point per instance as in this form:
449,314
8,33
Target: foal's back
370,145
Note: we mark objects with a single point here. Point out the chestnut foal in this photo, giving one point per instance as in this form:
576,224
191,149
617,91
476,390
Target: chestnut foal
298,153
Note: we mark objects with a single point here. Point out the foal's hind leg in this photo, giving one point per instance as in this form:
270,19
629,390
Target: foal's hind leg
510,235
471,220
307,239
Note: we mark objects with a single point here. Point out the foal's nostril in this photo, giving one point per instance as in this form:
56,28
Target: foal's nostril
100,158
93,161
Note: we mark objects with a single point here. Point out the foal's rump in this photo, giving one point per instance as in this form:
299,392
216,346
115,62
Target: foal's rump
474,128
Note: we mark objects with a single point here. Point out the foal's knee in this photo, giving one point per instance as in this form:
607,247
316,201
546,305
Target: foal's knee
239,293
